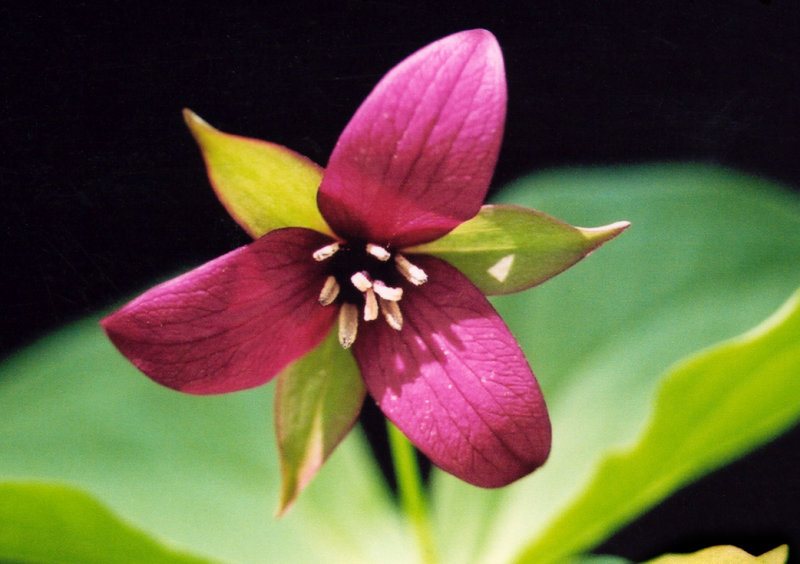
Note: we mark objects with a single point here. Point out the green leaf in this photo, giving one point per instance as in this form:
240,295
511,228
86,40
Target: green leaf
710,254
506,249
725,555
317,401
596,559
48,523
200,471
263,186
710,409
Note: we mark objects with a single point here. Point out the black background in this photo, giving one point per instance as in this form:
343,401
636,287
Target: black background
105,192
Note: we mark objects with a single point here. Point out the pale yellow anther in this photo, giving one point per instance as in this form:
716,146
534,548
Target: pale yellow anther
410,272
348,324
361,281
387,292
325,252
391,312
370,305
330,291
378,252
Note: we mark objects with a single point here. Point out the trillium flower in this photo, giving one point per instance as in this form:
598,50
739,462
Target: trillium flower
370,276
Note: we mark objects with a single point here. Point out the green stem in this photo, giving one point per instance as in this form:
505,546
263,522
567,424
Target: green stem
409,488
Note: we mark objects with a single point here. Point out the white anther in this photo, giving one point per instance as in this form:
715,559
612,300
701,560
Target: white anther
411,272
326,252
387,292
370,305
378,252
330,291
348,324
391,312
361,281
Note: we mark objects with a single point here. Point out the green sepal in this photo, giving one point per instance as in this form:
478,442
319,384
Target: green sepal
507,248
317,400
725,555
264,186
44,522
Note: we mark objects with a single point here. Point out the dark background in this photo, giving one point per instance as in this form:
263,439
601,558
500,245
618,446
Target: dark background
108,192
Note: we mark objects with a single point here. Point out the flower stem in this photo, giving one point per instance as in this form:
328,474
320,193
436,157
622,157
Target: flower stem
409,488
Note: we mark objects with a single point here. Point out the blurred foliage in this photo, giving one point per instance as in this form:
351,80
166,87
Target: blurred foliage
711,253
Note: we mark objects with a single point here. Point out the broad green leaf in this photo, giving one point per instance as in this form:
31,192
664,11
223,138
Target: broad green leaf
711,408
725,555
203,471
200,471
49,523
264,186
317,401
506,249
710,253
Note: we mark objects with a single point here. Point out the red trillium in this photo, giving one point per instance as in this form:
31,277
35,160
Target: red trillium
412,165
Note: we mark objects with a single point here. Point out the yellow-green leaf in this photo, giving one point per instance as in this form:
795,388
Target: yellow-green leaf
725,555
711,408
508,248
264,186
317,401
50,523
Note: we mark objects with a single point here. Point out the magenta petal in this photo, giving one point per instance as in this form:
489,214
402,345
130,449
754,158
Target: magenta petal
456,383
417,157
232,323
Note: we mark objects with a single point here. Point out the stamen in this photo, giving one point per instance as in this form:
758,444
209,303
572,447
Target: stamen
370,305
387,292
391,312
326,252
378,252
412,273
361,281
330,291
348,324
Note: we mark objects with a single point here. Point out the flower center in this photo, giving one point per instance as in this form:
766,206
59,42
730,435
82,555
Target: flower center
364,278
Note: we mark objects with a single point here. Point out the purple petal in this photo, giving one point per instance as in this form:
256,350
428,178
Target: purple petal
455,381
232,323
417,157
